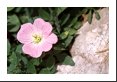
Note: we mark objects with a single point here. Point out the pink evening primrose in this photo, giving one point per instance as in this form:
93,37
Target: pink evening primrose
36,37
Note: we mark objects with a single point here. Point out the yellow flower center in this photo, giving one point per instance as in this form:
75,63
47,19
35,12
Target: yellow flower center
37,39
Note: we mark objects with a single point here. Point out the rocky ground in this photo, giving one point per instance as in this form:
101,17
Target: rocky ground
90,50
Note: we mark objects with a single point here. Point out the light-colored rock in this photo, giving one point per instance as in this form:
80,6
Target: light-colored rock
90,50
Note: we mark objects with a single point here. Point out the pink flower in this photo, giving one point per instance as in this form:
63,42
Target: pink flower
36,37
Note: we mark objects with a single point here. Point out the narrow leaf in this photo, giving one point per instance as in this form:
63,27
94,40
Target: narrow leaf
25,60
44,14
64,35
60,10
68,40
74,20
72,31
77,25
90,16
65,19
97,15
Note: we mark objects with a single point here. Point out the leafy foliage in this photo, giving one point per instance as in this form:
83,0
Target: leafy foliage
65,21
97,15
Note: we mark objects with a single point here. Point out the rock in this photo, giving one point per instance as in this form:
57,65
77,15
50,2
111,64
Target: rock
90,51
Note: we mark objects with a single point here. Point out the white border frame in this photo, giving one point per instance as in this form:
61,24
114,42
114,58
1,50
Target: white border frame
58,3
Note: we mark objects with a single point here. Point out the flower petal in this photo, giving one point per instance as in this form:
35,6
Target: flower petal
43,26
46,46
52,38
47,28
32,50
24,34
38,23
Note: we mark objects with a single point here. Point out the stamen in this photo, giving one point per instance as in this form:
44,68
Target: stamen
37,39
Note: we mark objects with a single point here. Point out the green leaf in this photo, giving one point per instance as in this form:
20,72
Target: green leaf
45,71
53,70
8,47
25,60
64,35
67,32
19,49
13,20
19,56
14,29
57,25
90,16
73,22
60,10
18,9
50,62
13,62
59,47
13,23
10,8
58,29
97,15
13,59
78,25
72,31
51,15
65,59
68,40
11,68
28,12
31,67
17,70
24,19
36,61
55,52
44,14
68,61
65,19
